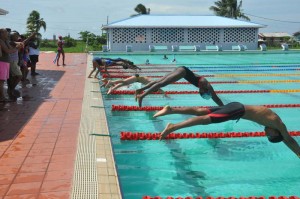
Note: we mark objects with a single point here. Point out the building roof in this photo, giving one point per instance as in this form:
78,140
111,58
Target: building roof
274,34
176,21
3,12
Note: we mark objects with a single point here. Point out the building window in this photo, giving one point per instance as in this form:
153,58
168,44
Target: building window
203,35
128,35
167,35
232,35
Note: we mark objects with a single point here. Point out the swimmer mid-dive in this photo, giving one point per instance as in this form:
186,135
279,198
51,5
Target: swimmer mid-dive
100,63
205,89
275,129
115,84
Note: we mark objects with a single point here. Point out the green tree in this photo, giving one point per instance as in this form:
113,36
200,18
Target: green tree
229,8
141,10
35,23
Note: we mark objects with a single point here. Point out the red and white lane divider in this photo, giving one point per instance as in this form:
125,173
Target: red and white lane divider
131,92
158,108
127,135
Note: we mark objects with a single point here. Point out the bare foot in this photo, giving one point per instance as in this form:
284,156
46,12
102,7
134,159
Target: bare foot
140,100
109,91
166,131
166,110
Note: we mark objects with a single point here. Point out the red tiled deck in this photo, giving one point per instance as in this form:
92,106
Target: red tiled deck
38,137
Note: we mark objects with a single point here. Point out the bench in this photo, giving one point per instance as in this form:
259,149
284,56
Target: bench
153,48
285,47
174,48
189,48
263,47
128,48
186,48
238,48
213,48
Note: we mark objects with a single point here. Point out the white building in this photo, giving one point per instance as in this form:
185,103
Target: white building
165,31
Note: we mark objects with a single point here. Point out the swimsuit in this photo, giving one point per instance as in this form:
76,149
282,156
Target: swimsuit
98,60
231,111
275,139
191,77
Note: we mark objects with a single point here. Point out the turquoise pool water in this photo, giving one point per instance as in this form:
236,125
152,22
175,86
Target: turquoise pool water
209,167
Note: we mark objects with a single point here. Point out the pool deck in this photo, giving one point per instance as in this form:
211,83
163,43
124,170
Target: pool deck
47,149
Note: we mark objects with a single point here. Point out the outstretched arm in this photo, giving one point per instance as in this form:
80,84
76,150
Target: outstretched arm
289,140
214,96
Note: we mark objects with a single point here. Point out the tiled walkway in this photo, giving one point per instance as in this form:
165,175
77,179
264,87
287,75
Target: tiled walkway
38,136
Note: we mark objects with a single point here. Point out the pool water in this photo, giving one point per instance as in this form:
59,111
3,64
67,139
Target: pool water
209,167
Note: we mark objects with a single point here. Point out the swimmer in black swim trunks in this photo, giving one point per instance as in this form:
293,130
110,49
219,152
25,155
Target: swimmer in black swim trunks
103,63
275,129
205,89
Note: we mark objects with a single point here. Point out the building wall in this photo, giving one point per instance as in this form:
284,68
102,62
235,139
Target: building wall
141,38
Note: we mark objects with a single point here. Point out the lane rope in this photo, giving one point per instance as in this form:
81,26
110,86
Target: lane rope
158,108
217,75
127,135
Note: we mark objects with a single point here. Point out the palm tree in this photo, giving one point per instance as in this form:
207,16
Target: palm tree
229,8
35,23
141,10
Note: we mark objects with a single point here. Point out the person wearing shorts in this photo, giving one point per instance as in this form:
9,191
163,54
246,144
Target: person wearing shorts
4,75
275,129
206,91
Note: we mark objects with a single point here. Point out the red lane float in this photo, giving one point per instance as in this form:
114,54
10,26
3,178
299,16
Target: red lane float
125,135
131,92
154,76
158,108
221,197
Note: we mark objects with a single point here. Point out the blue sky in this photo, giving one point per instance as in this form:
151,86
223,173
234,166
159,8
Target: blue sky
72,16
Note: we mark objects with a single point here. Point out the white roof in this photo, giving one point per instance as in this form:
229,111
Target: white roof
172,21
274,34
3,12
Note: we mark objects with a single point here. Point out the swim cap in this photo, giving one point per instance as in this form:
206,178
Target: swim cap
275,139
273,135
137,75
206,96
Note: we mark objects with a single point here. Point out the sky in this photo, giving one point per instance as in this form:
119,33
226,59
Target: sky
69,17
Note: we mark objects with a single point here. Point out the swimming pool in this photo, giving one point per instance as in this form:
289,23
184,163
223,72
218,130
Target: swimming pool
209,167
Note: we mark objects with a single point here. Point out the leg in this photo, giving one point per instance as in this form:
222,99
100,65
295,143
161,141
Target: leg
95,66
199,120
2,96
58,56
63,58
182,110
168,79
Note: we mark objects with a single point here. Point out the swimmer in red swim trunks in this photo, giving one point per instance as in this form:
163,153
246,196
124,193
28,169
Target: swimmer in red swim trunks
205,89
275,129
